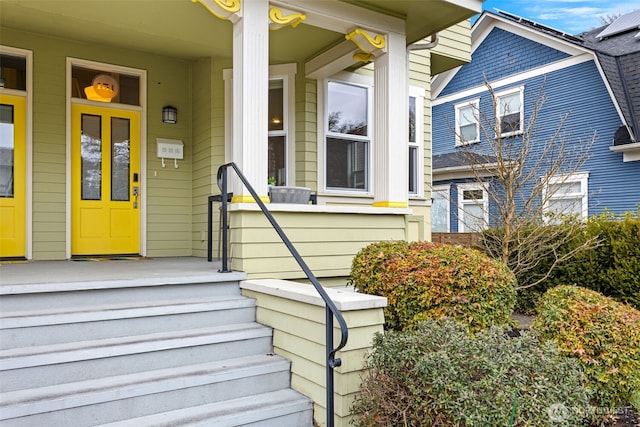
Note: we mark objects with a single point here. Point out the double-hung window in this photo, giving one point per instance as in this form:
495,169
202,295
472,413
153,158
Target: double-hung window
510,111
348,137
467,123
473,208
567,195
416,138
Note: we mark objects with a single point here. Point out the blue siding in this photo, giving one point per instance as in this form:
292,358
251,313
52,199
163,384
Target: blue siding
502,54
579,91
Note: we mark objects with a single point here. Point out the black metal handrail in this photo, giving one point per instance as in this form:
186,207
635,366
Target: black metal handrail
331,310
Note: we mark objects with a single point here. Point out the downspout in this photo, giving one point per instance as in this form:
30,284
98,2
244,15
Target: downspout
435,39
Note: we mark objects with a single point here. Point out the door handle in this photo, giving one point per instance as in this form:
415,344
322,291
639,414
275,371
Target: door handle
136,192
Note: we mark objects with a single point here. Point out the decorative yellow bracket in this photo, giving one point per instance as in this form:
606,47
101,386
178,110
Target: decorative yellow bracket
368,45
278,20
223,9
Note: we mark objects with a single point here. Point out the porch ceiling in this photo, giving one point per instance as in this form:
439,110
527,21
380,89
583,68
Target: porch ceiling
184,29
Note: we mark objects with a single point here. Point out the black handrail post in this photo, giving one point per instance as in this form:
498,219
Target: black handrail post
225,226
331,309
330,363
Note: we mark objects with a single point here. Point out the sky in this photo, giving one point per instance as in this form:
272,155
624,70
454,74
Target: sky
571,16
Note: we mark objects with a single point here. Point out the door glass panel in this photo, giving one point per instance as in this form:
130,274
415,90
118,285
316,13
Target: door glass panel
120,159
91,155
6,150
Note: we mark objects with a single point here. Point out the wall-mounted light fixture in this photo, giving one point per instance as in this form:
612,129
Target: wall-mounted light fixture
169,114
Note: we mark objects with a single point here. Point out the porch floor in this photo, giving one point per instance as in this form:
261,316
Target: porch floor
123,272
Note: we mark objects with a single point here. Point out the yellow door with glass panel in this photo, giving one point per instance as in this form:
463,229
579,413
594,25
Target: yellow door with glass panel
13,147
105,193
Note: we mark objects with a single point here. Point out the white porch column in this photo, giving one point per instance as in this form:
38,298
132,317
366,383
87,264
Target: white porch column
251,97
390,150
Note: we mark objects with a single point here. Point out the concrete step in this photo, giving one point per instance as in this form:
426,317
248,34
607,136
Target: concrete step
55,326
39,366
115,398
69,296
283,408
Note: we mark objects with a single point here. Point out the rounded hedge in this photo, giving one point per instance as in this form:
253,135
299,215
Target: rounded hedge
602,334
423,281
439,374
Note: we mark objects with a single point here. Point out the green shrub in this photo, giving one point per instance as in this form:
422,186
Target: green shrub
440,374
602,334
612,268
423,280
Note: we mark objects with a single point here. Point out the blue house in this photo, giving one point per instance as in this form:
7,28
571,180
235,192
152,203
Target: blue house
536,81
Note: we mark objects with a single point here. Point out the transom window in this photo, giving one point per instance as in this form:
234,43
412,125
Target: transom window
567,195
104,86
510,111
13,72
473,208
467,123
347,136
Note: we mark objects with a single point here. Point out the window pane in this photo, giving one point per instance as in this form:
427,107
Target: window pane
7,140
473,217
510,123
13,72
276,105
509,103
568,206
277,169
466,116
120,159
439,212
472,194
91,155
347,107
346,163
468,132
413,170
85,81
412,119
565,188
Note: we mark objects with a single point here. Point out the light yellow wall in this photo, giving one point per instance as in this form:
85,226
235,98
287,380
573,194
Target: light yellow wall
297,315
306,131
326,241
454,47
168,190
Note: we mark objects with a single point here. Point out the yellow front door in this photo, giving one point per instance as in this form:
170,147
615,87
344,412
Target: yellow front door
105,193
13,148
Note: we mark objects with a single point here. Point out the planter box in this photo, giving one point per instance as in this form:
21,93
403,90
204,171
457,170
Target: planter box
286,194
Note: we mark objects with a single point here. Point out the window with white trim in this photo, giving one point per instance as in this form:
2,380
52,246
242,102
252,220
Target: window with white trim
467,123
440,209
473,208
281,123
567,195
347,136
510,111
416,138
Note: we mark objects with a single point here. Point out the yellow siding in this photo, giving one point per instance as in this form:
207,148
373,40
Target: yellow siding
453,49
306,131
168,190
326,241
299,335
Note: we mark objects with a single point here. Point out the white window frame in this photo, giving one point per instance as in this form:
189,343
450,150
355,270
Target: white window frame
446,191
519,90
474,104
287,73
323,114
583,195
418,94
461,204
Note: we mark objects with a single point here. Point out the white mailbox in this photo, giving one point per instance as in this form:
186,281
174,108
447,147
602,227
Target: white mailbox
170,149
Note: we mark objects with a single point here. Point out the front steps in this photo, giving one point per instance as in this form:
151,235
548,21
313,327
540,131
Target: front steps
159,354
